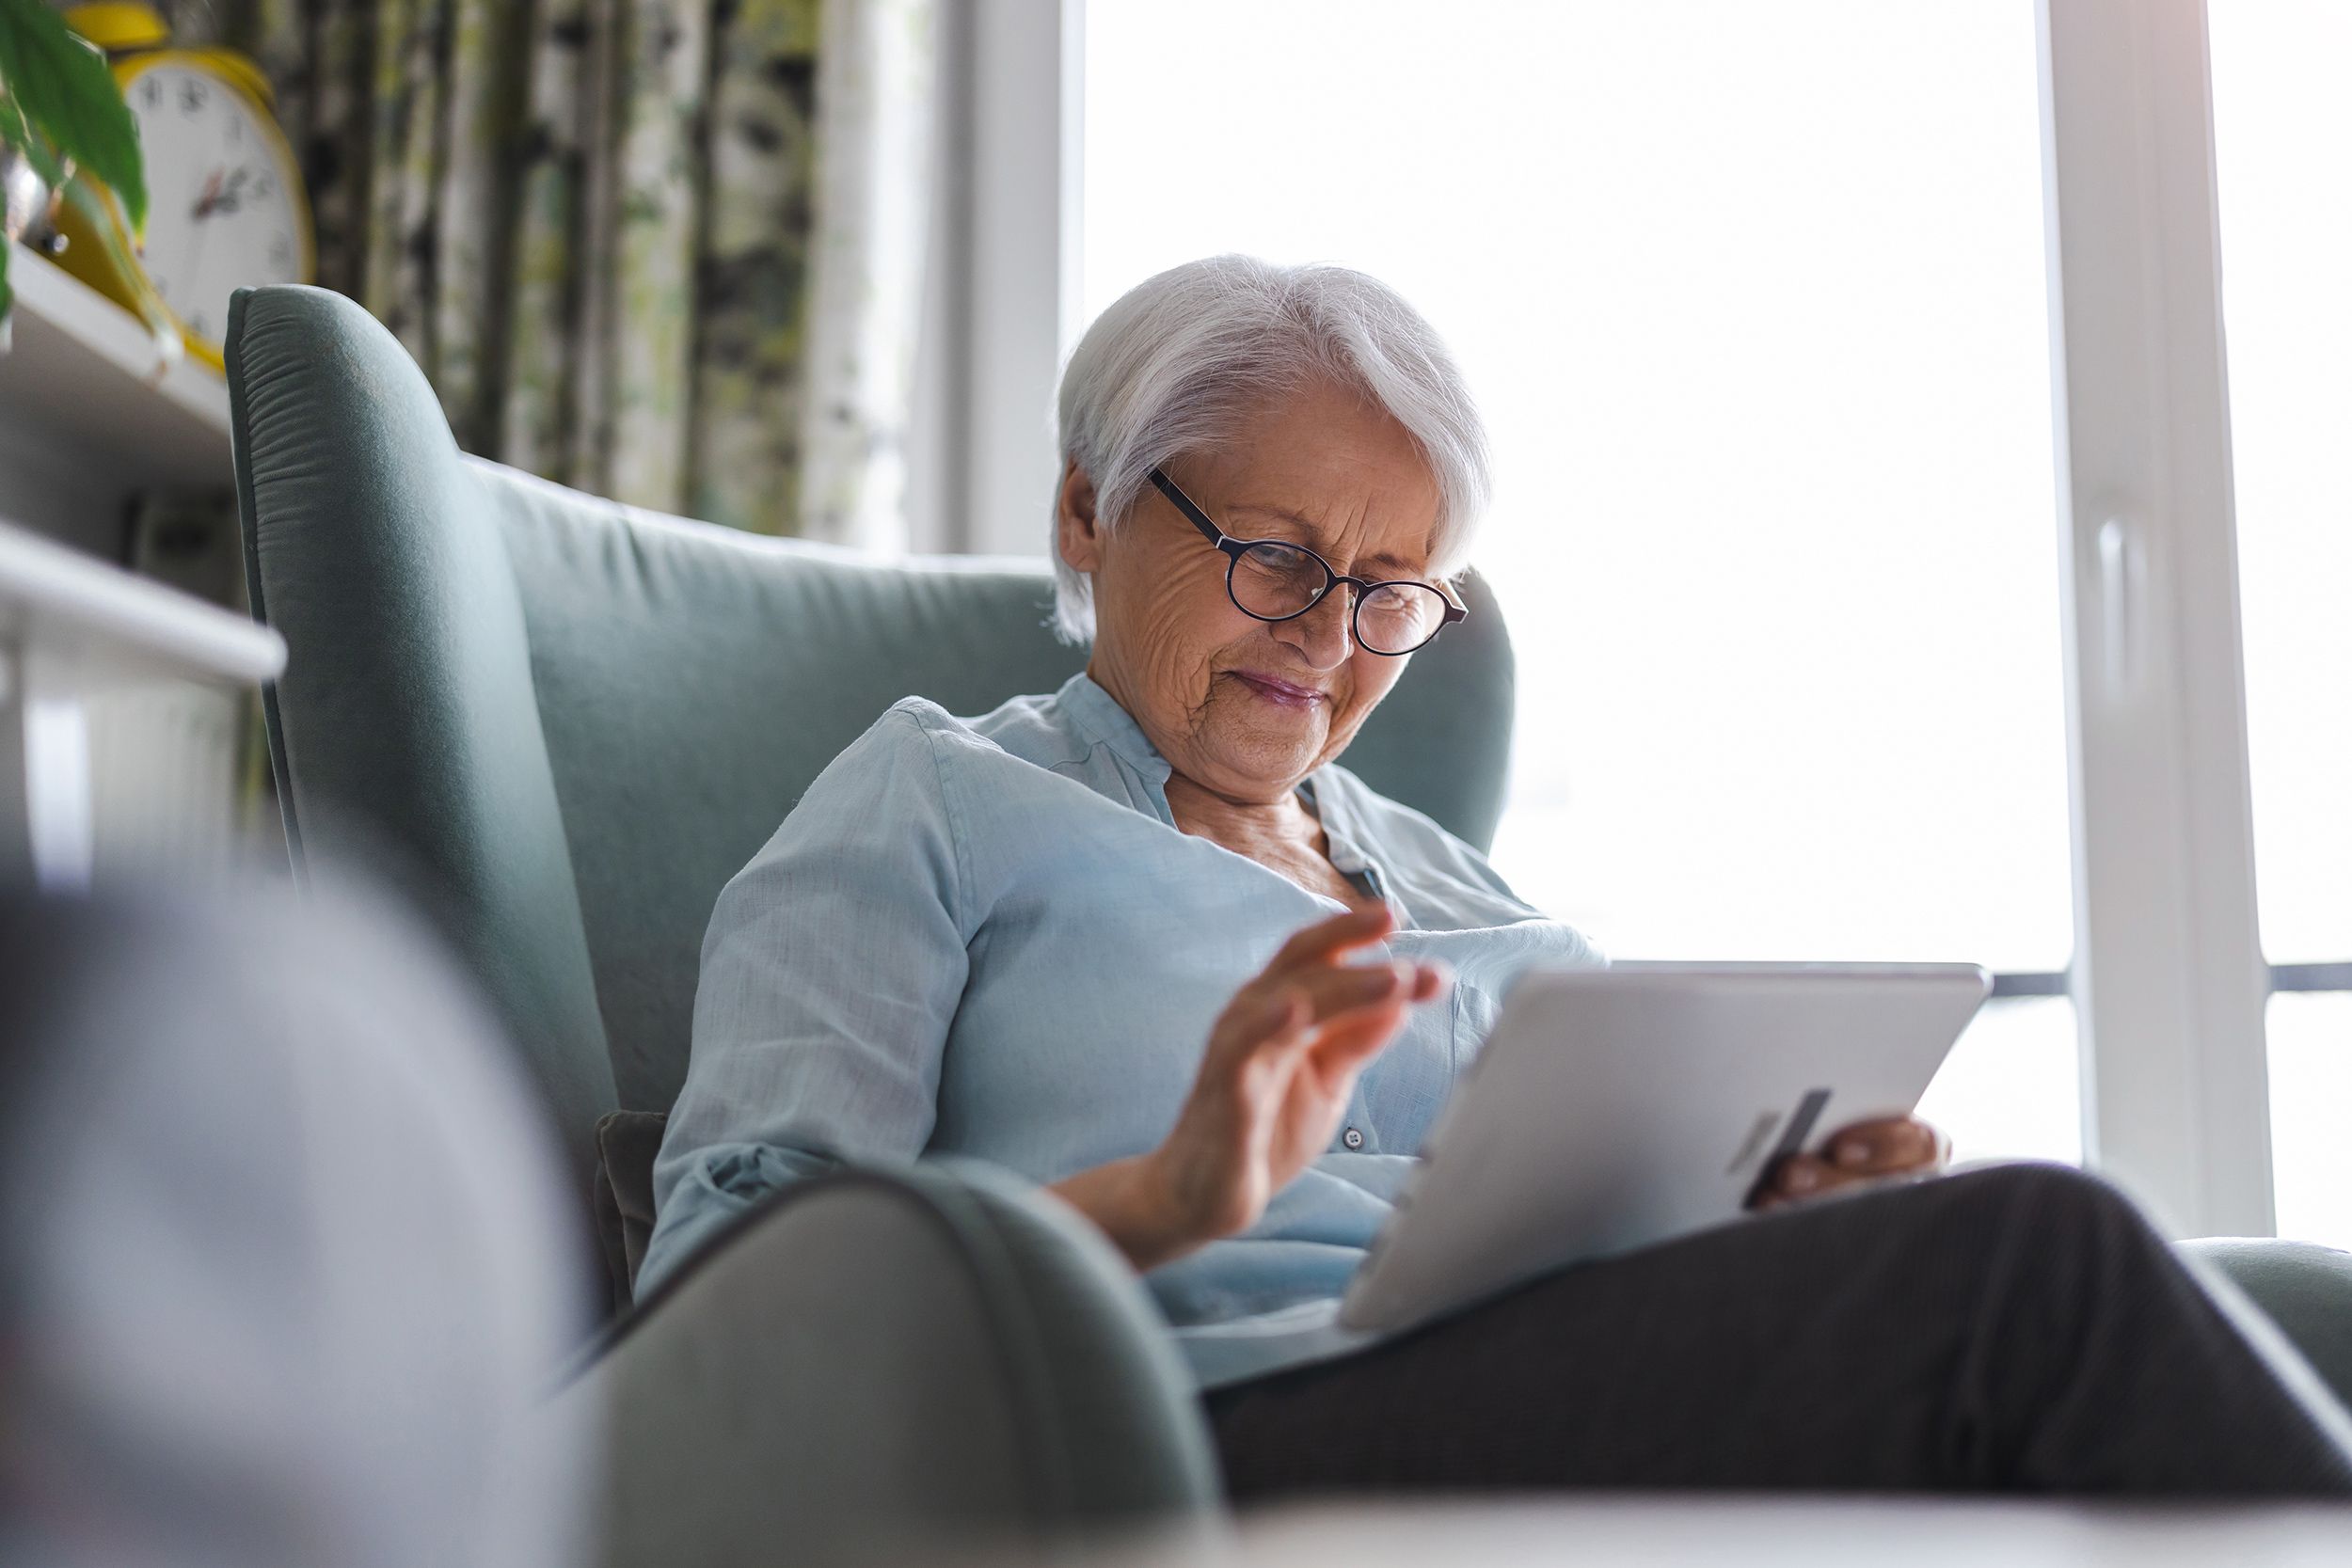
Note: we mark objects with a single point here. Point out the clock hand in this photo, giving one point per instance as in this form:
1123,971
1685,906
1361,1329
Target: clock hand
203,229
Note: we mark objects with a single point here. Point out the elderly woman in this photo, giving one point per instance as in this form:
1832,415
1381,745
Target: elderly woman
1146,941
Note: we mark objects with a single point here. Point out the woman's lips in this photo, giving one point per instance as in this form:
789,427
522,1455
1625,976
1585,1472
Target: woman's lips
1281,692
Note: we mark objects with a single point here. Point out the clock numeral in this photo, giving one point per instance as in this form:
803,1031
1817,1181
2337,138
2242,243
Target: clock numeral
151,92
236,128
192,97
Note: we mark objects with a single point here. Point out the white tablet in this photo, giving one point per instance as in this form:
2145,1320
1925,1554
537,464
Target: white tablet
1613,1108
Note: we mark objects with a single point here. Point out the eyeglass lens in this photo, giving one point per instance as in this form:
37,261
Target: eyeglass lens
1276,582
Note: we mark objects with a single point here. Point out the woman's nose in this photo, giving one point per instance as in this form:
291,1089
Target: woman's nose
1324,633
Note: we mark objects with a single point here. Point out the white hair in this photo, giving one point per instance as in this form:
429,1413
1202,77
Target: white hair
1179,360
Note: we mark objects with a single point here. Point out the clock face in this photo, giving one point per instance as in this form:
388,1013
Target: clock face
223,209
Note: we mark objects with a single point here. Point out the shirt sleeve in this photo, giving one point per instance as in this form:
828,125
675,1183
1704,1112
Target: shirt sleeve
833,967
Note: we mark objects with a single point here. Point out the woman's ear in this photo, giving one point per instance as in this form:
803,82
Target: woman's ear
1075,534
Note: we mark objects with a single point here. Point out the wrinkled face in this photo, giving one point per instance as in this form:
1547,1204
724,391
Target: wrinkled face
1246,709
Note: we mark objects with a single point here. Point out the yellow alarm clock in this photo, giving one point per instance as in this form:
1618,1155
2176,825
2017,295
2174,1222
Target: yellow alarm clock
224,194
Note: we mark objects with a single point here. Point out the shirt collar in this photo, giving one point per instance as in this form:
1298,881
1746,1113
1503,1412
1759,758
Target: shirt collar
1098,713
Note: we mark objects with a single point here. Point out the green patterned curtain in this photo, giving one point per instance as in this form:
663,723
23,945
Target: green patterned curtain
595,223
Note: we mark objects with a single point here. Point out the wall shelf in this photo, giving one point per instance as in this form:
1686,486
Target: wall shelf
76,636
83,378
122,745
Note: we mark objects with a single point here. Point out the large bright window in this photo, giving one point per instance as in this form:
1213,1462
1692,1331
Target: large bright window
1754,299
2283,135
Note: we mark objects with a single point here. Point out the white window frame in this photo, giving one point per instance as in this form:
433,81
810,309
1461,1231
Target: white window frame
2168,979
1002,295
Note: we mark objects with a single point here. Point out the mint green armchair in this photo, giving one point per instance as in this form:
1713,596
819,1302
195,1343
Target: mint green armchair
567,723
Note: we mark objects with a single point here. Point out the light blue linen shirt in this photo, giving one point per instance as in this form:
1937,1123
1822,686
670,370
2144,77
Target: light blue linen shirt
987,937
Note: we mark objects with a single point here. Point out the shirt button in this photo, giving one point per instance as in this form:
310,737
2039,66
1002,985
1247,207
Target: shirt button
1352,1138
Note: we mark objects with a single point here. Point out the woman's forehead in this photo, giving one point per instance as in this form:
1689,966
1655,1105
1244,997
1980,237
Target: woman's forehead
1327,467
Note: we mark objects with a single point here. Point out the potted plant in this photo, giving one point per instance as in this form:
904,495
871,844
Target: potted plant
60,109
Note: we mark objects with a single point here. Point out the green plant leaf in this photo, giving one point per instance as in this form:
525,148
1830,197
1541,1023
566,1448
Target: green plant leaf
15,133
8,296
63,86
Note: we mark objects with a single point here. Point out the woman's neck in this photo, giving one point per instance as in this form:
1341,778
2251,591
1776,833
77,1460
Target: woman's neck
1245,827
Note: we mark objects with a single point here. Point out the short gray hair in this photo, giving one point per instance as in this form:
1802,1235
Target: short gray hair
1180,359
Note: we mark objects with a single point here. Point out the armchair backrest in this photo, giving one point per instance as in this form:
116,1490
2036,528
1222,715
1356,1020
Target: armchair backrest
573,719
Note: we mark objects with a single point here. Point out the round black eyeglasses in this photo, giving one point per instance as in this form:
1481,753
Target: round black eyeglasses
1272,580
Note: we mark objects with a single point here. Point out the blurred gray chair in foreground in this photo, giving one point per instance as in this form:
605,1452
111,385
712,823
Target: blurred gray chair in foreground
283,1261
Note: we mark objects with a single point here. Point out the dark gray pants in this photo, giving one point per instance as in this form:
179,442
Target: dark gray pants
2020,1328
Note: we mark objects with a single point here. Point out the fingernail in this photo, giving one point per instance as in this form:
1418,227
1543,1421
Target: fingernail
1853,1154
1801,1178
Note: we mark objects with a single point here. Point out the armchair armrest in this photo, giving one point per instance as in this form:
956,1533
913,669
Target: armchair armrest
870,1358
2304,1288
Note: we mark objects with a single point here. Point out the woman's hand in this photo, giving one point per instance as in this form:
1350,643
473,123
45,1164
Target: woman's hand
1867,1151
1281,1063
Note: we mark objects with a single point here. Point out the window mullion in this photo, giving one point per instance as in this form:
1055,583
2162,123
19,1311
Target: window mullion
2169,977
